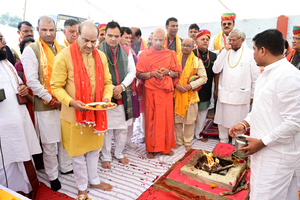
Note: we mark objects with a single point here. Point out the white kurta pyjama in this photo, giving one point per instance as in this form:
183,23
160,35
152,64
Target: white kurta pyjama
17,135
236,85
47,123
275,118
116,121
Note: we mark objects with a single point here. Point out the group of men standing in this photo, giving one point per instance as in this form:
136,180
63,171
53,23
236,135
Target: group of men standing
167,83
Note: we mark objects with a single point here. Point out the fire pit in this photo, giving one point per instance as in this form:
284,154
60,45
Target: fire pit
213,164
207,168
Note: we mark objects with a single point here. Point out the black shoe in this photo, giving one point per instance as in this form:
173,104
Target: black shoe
55,185
215,125
69,172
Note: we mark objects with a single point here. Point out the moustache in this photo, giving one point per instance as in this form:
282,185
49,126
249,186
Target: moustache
29,36
226,27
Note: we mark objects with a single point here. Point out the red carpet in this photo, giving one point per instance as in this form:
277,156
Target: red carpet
152,193
45,193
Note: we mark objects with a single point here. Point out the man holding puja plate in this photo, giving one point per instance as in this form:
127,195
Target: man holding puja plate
80,76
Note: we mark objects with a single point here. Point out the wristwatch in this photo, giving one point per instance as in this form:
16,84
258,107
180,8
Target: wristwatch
169,72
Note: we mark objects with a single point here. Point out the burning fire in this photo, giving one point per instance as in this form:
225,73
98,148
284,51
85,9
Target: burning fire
210,160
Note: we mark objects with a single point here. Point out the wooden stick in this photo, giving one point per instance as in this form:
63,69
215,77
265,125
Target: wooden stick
239,180
244,187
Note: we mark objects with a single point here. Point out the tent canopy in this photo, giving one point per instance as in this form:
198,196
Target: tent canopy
144,13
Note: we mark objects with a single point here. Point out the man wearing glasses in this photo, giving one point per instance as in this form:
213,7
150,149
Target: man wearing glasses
122,70
238,73
220,41
207,58
25,30
185,96
294,56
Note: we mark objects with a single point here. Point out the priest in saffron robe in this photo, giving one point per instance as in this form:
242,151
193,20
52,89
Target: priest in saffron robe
220,41
160,70
294,56
81,75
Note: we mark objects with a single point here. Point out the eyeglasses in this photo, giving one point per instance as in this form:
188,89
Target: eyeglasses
228,24
297,39
187,46
27,31
233,40
2,40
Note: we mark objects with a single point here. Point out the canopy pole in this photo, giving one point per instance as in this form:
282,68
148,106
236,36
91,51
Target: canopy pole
24,10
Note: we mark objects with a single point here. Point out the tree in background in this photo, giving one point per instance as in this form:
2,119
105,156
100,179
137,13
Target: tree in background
8,20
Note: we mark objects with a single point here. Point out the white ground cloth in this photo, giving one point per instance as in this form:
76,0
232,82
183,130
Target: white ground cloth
129,181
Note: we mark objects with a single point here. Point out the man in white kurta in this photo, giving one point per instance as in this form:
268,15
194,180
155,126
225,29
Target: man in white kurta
122,69
47,121
17,135
275,123
236,84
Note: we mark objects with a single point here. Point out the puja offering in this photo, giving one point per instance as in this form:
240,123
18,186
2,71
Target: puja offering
100,106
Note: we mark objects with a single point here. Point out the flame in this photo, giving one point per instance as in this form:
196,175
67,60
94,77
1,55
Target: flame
210,160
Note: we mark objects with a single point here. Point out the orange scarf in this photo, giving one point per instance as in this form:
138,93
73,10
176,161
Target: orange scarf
66,42
83,89
289,57
46,63
20,40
